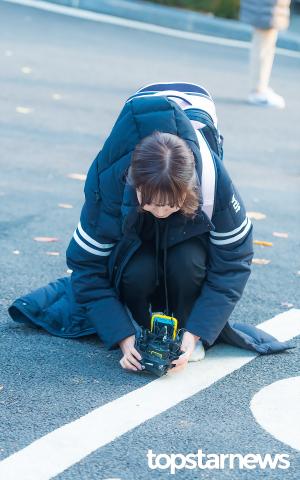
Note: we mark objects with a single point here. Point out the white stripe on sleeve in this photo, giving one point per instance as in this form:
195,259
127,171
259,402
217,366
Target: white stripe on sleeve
228,234
233,239
91,240
89,249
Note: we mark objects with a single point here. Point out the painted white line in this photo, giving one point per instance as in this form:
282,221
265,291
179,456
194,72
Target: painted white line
277,409
284,326
137,25
55,452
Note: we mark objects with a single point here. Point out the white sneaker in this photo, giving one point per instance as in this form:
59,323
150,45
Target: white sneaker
198,354
266,99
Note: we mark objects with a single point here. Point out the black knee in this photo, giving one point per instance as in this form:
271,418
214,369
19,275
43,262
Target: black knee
186,265
138,276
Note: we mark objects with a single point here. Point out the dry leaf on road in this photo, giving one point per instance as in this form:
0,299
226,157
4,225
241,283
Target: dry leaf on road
286,304
77,176
256,215
280,234
23,110
26,70
65,205
263,243
260,261
45,239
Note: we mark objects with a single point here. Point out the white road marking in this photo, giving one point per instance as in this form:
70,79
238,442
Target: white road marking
55,452
56,96
276,408
24,110
26,70
147,27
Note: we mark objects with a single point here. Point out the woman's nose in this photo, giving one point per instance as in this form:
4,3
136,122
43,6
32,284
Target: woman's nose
161,211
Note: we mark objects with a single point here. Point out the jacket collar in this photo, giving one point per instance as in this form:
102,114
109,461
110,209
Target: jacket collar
179,124
129,212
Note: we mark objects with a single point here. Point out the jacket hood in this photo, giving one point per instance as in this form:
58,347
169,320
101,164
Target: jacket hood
139,118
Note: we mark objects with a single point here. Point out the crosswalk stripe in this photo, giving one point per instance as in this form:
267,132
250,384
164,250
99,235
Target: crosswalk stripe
53,453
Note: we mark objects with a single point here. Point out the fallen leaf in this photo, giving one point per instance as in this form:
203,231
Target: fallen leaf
260,261
286,305
56,96
77,176
184,423
65,205
280,234
45,239
23,110
263,243
256,215
16,252
26,70
53,253
77,380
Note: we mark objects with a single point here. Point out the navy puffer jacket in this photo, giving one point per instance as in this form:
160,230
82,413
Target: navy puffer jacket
109,227
109,232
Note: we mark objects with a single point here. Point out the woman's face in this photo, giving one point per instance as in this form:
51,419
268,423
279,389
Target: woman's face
159,211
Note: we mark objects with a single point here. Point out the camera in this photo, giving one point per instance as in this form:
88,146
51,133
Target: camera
160,345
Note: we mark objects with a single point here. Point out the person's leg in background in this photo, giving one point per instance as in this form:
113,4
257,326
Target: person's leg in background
261,61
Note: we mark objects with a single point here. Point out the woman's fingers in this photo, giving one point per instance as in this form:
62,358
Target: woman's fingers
136,353
129,360
127,365
178,368
183,358
180,363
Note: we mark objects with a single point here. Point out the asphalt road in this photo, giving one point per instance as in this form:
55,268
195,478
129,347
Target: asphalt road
91,68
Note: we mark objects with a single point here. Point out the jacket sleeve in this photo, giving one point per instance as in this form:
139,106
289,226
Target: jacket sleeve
230,252
87,256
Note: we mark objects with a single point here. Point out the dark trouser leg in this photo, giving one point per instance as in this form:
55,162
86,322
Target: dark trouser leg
185,275
138,283
186,271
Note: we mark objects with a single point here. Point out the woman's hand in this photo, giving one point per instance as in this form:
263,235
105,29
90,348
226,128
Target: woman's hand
131,356
188,344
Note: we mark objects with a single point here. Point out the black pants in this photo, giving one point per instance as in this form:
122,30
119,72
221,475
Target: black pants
186,270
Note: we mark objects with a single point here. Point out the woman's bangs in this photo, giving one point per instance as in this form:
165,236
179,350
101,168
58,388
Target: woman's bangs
150,195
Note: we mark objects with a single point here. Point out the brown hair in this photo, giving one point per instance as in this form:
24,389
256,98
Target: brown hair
163,170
